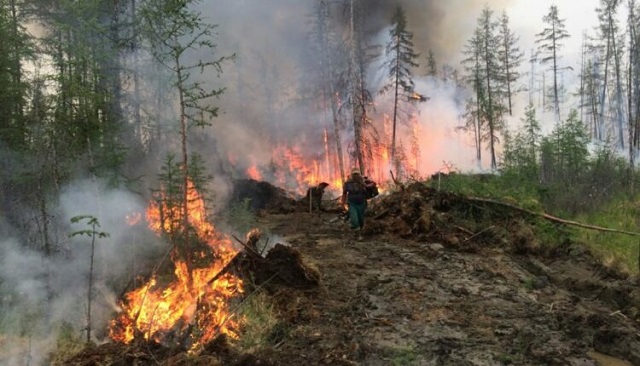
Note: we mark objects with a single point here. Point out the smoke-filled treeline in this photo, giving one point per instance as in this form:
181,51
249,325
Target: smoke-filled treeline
102,101
311,92
99,99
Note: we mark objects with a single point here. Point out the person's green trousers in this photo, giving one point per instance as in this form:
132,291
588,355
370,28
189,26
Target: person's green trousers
356,214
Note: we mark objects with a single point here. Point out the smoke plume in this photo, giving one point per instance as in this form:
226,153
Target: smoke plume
265,102
45,292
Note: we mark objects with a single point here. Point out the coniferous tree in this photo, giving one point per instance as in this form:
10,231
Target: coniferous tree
473,113
633,83
327,45
473,122
359,97
68,117
486,76
608,30
521,149
174,30
16,47
354,95
550,42
493,107
590,100
401,60
565,152
532,134
511,58
432,67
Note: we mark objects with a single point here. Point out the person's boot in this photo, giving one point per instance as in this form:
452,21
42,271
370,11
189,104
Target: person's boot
356,233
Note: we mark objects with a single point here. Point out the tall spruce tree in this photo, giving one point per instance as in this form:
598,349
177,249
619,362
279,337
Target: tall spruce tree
174,30
511,58
532,135
633,84
486,76
493,106
608,30
401,60
325,43
521,150
550,42
432,66
473,111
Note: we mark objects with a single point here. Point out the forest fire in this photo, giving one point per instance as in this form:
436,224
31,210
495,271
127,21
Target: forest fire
295,171
191,309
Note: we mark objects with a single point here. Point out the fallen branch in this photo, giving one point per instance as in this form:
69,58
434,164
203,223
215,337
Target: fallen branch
552,218
467,231
239,257
249,245
381,214
618,312
393,178
479,232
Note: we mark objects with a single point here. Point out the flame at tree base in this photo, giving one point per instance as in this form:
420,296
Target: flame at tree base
190,310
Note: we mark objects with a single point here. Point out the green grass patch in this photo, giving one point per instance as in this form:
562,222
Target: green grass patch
619,213
240,216
404,356
508,359
529,283
613,248
69,342
261,326
508,188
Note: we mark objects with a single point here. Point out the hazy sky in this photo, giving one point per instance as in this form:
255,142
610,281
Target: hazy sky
526,16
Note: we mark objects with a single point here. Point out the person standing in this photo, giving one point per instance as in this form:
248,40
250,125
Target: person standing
354,194
314,196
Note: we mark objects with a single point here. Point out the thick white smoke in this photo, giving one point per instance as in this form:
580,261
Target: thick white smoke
264,101
42,293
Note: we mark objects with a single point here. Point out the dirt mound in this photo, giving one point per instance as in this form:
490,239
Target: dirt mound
266,198
263,196
284,267
425,214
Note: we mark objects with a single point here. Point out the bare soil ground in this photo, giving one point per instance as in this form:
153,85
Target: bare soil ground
392,301
437,281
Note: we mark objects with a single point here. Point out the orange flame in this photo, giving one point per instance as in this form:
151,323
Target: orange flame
254,173
190,306
293,171
295,167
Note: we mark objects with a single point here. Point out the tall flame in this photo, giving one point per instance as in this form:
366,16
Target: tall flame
304,163
190,307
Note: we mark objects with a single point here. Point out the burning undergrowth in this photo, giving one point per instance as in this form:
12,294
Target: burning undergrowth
196,309
186,308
